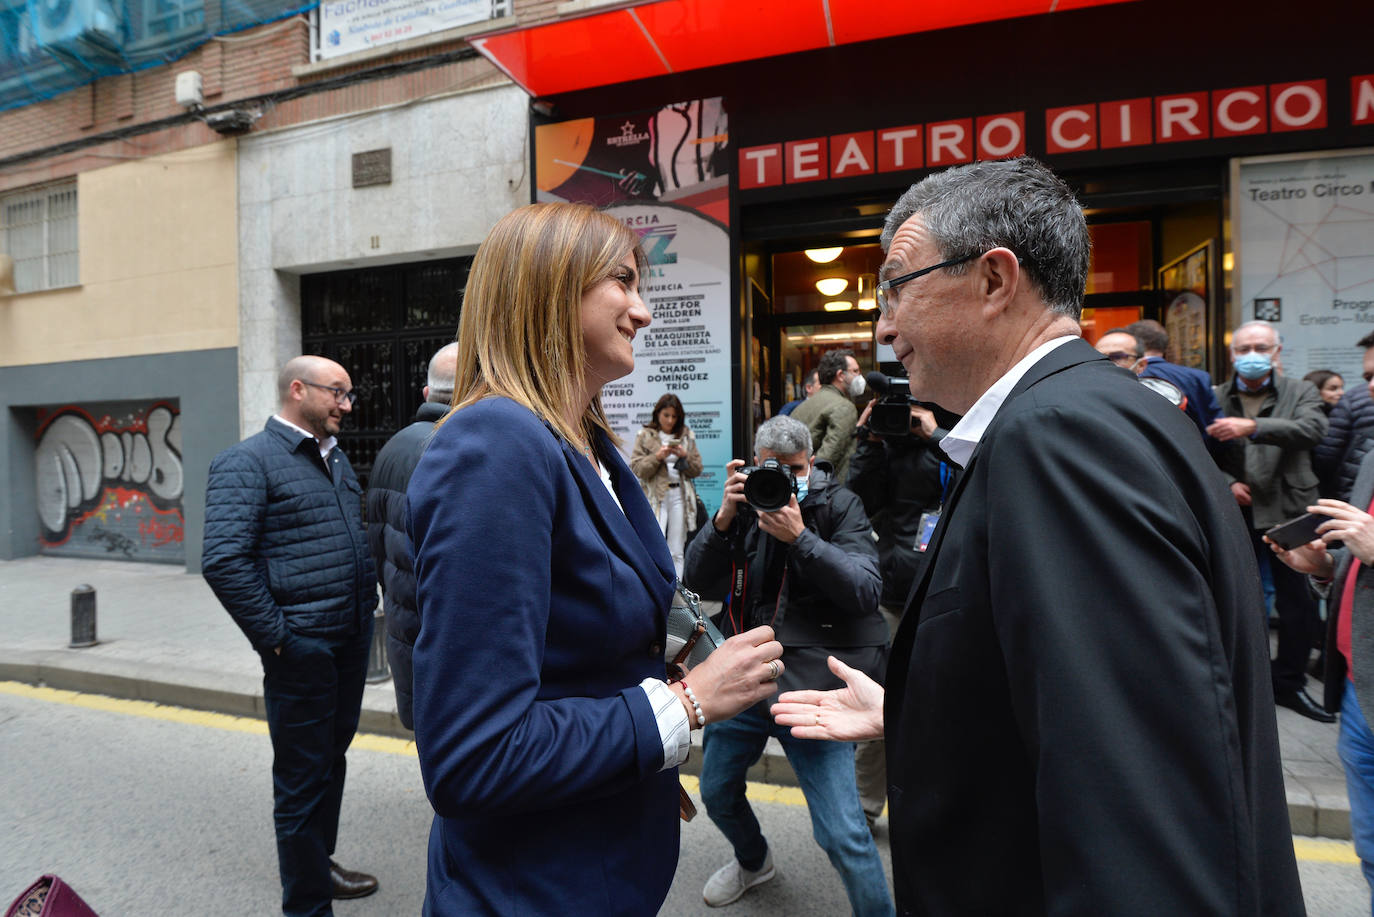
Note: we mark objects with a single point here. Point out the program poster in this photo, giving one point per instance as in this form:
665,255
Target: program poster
664,174
1304,239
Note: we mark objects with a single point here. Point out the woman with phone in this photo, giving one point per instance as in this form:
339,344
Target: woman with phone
548,738
665,459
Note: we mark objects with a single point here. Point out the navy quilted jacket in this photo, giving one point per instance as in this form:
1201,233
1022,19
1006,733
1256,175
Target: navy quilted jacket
284,539
392,552
1336,459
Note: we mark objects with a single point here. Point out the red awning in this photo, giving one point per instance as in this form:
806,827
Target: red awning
670,36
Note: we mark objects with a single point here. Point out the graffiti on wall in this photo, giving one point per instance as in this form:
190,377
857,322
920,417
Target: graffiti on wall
109,481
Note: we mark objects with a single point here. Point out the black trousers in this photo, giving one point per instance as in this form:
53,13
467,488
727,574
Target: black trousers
314,694
1297,612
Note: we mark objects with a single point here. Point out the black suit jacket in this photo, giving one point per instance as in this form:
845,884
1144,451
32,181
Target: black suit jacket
1079,714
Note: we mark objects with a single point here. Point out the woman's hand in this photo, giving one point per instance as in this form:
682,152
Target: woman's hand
740,673
664,451
853,713
1353,526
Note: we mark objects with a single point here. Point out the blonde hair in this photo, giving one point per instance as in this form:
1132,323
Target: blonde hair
520,330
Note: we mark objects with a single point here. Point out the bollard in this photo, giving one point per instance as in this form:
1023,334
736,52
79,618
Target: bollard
377,667
83,617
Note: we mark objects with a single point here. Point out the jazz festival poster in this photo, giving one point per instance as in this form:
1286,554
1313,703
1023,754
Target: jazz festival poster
665,174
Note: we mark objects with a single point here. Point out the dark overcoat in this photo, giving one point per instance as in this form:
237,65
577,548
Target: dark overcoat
1079,712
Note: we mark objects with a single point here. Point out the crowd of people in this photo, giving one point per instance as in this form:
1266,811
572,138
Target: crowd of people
1031,624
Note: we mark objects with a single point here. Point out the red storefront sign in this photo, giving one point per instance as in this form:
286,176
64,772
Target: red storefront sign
1174,118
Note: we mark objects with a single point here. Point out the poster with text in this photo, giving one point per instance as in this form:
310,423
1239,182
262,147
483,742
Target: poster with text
663,173
1304,230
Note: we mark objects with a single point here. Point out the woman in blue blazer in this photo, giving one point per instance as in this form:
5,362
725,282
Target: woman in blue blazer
548,738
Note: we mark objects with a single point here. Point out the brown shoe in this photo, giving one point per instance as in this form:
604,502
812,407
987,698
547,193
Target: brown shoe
350,884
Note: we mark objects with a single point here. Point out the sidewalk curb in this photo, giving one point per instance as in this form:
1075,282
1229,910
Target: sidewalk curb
1317,806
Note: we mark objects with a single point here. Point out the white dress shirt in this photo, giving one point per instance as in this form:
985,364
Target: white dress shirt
960,442
326,446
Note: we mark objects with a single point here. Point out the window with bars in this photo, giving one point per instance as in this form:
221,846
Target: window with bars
38,230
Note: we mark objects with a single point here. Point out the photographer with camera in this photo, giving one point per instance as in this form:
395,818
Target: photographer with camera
901,477
792,548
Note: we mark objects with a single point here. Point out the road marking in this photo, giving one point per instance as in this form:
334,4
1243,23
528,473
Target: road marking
1308,849
151,711
1325,850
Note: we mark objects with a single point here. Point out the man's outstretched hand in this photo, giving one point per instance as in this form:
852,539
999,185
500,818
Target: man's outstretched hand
853,713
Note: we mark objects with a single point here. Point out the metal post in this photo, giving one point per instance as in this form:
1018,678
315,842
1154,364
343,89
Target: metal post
83,617
377,667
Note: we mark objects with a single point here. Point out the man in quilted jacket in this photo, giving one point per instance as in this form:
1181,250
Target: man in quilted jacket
286,554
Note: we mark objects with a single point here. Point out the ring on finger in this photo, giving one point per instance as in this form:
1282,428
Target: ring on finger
773,670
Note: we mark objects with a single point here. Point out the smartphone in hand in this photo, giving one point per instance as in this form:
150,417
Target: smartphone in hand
1296,532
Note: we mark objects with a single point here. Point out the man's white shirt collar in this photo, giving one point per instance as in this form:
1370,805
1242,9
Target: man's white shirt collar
960,442
326,446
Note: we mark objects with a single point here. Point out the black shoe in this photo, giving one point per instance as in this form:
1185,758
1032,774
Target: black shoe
1300,702
350,884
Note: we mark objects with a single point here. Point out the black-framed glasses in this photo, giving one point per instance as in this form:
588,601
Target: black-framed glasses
339,394
885,306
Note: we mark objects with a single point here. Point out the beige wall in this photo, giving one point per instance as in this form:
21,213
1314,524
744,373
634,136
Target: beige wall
158,265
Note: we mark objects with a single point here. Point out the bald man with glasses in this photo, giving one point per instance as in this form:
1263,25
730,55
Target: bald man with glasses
287,555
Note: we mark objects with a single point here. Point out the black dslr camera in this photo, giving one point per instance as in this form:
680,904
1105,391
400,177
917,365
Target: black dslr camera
891,414
769,485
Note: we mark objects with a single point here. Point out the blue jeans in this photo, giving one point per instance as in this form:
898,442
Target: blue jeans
1356,748
314,695
825,771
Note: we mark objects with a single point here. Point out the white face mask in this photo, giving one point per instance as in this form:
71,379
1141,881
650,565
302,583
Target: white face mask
857,385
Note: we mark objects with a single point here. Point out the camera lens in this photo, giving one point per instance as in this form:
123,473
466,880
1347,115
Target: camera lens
769,488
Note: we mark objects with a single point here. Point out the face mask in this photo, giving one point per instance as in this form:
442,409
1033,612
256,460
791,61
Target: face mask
857,385
803,485
1253,365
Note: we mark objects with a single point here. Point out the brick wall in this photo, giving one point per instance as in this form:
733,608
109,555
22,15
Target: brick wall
244,65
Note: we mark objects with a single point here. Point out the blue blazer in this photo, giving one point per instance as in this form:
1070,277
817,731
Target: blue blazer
542,607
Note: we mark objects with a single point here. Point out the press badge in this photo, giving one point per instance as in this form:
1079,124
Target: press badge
928,522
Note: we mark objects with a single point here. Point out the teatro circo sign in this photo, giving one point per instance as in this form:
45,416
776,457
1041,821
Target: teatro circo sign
1297,106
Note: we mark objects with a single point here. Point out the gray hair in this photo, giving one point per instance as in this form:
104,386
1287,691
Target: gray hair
1018,204
443,368
783,435
1257,323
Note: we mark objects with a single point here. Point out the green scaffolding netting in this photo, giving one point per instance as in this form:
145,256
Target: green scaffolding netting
48,47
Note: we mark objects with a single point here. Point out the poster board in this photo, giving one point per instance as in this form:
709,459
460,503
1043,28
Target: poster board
665,174
1185,285
1303,231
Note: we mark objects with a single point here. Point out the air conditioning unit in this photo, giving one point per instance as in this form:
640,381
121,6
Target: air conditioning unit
87,34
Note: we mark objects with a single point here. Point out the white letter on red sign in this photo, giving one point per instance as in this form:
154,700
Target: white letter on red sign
1082,117
901,139
805,155
1308,95
946,137
1180,112
1224,118
758,157
1362,99
852,156
1013,130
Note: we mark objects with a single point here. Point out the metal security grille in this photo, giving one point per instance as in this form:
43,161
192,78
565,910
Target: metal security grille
40,234
382,325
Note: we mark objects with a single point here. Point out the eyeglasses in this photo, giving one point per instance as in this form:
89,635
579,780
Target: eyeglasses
1257,348
887,304
339,394
1122,357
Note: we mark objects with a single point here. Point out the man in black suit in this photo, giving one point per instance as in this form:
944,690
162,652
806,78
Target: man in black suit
1078,711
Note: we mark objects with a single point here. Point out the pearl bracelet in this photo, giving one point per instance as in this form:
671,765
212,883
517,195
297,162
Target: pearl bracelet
692,698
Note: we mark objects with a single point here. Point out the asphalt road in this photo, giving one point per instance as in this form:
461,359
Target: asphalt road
162,811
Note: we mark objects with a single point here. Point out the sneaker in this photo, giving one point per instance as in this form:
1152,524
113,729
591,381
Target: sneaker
732,880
